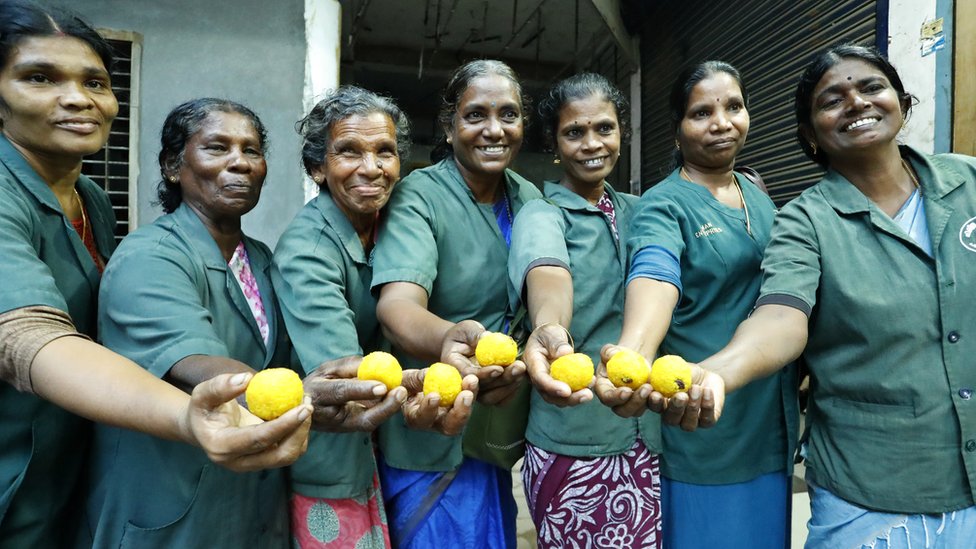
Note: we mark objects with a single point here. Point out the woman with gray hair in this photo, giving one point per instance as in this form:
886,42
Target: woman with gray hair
353,140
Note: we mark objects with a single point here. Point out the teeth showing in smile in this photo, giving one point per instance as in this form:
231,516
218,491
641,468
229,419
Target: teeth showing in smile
593,162
860,123
494,149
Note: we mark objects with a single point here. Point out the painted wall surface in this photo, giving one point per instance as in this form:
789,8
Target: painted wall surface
249,51
926,77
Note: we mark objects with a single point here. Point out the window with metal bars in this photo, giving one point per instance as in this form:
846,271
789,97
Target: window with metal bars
114,167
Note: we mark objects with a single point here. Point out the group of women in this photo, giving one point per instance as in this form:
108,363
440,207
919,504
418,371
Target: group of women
864,274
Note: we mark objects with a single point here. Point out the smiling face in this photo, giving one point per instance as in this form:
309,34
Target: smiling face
223,167
587,140
57,97
487,129
855,109
715,124
362,164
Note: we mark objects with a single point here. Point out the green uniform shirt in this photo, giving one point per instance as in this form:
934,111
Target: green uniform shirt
892,345
321,275
567,231
43,262
168,294
437,236
720,281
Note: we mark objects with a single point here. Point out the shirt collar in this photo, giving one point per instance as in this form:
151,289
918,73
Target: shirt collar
334,217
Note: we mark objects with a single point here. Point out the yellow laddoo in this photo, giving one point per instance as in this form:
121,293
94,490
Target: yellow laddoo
444,380
670,375
628,368
575,370
273,392
382,367
496,349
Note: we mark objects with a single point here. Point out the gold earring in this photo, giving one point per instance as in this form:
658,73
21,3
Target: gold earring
814,147
555,159
172,179
677,145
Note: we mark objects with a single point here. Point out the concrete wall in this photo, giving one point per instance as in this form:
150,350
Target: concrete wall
928,77
249,51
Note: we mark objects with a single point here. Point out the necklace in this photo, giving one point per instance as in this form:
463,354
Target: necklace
742,197
84,217
911,173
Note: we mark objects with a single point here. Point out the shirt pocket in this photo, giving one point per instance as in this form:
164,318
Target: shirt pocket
186,529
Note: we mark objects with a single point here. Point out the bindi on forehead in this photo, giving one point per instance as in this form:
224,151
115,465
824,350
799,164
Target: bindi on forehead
849,78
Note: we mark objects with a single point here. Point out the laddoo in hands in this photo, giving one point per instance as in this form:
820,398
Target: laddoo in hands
274,391
444,380
382,367
575,370
496,349
627,368
670,375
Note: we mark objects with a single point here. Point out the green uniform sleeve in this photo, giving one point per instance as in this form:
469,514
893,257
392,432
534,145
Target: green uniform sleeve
27,280
538,238
656,222
791,263
406,246
310,284
151,308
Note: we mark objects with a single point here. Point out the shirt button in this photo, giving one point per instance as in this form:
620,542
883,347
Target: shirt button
953,336
971,445
966,394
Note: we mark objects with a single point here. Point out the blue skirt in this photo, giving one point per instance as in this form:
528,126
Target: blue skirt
475,508
746,515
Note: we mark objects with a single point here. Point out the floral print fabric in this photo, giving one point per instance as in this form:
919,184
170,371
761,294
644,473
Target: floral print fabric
240,265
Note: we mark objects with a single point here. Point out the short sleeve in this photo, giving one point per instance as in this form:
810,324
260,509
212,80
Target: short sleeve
406,245
538,238
151,310
27,280
656,222
310,283
791,264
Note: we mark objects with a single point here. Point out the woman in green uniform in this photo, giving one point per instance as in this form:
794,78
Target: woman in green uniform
869,274
353,142
190,297
696,243
568,263
56,106
439,266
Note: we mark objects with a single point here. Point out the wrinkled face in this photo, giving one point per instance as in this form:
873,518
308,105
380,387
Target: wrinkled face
223,167
362,164
588,140
715,124
855,107
488,125
57,99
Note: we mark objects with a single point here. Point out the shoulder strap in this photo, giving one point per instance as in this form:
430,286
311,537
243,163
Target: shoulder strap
753,176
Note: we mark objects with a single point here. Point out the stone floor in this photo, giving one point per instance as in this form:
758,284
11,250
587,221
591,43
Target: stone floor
801,511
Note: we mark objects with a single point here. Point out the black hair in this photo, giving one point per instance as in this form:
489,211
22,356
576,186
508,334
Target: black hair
580,86
823,62
180,125
316,127
458,84
687,80
21,19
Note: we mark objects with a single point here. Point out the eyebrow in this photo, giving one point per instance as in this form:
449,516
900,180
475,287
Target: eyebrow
836,88
474,106
51,67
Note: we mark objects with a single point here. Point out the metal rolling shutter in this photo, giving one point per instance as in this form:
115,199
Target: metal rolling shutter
770,42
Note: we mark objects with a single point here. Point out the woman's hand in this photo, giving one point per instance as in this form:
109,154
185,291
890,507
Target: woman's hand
547,343
423,411
701,406
496,384
624,401
343,403
235,439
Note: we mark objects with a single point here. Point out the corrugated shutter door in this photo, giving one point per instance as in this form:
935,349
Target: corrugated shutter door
770,42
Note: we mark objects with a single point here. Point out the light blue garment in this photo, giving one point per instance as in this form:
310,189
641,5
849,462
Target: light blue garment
836,523
911,218
477,509
656,263
746,515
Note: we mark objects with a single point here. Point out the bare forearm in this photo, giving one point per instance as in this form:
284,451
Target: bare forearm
647,315
412,328
92,381
195,369
772,337
549,296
